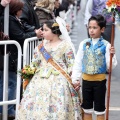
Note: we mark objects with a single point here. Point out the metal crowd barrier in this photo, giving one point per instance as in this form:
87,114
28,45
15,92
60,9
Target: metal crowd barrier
5,101
28,49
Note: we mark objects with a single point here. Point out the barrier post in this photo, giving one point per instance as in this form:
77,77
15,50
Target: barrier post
5,95
16,101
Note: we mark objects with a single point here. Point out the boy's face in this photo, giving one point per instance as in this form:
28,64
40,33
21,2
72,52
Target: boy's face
94,29
47,33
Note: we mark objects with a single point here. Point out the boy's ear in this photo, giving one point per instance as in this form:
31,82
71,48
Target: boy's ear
103,29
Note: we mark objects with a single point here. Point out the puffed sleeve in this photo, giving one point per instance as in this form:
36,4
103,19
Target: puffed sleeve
69,58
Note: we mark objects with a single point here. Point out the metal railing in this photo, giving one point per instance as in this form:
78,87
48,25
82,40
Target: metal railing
28,49
5,101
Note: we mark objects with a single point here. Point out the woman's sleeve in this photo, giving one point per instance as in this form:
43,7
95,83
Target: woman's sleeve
18,33
69,59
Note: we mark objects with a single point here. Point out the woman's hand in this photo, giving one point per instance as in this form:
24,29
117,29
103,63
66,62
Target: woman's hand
5,2
77,85
39,33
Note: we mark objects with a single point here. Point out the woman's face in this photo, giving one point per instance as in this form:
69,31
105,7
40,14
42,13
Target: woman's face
19,13
47,33
57,4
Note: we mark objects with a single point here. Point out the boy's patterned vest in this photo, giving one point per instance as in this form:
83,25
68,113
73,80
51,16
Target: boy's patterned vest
98,7
94,61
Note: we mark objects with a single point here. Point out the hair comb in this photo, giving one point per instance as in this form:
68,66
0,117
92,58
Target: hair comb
55,24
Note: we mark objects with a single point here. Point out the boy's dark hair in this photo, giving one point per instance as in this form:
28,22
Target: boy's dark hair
52,24
99,19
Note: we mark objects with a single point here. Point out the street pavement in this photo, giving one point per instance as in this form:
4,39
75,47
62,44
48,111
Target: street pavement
78,34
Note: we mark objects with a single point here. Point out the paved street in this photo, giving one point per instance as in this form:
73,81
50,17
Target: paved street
79,33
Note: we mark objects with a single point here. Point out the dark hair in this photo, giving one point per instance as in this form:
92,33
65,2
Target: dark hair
54,28
15,6
99,19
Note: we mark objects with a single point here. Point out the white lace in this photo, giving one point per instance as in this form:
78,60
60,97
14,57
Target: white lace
65,34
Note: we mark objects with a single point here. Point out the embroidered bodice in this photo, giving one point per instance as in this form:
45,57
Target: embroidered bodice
62,54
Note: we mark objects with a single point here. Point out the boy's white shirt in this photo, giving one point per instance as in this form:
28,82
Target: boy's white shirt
77,67
88,11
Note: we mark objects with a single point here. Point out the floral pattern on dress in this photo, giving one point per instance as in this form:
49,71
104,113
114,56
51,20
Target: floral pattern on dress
51,98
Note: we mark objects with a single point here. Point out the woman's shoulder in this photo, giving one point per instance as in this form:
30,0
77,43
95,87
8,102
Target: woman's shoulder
66,43
13,19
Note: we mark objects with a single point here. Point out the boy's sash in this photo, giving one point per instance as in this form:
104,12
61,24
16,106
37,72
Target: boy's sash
49,59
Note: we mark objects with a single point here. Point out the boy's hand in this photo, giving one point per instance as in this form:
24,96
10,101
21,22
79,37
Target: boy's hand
112,50
77,85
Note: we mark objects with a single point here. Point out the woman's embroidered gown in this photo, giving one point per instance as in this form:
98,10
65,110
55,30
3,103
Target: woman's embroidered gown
49,96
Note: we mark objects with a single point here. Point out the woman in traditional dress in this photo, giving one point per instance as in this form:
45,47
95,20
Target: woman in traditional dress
49,95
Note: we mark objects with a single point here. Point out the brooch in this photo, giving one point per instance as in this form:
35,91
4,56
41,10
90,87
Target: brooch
88,45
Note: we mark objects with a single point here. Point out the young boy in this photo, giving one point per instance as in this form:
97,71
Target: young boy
91,62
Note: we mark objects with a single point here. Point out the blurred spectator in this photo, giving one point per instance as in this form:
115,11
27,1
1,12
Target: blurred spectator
78,5
29,15
44,10
95,7
56,8
63,7
17,30
83,6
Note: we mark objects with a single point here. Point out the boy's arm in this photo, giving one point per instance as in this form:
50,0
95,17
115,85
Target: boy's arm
107,55
77,67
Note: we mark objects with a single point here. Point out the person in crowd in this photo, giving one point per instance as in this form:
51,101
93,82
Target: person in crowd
49,95
44,10
56,8
78,5
1,9
18,32
64,6
83,6
91,62
95,7
29,15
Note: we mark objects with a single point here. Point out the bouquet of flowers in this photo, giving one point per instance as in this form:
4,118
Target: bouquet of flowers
27,73
113,6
